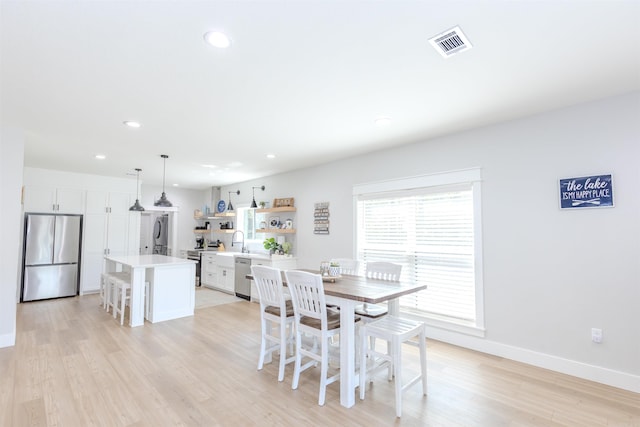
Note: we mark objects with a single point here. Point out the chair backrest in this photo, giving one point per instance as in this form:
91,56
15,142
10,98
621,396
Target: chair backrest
384,271
269,283
307,295
348,267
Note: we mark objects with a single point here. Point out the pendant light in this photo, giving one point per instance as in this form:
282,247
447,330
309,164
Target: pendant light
137,206
253,203
229,205
163,201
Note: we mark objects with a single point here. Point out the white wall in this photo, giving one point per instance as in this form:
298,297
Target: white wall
549,275
11,161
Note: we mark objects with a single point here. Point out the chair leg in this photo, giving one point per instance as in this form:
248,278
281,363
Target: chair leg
296,370
283,349
390,373
397,368
263,344
123,300
292,338
423,360
324,369
363,361
115,294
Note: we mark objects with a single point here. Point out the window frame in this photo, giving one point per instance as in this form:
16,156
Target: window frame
472,177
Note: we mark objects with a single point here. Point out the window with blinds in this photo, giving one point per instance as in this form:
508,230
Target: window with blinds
430,231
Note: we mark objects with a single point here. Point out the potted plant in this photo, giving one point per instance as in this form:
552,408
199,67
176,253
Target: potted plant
334,269
286,247
271,245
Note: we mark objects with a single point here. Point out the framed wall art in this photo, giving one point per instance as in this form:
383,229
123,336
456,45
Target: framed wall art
595,191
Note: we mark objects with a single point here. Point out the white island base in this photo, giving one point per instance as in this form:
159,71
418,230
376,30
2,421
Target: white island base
171,290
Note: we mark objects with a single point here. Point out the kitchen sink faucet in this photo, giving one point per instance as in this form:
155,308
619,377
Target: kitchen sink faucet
233,240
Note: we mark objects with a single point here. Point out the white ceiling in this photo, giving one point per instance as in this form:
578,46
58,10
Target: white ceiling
303,80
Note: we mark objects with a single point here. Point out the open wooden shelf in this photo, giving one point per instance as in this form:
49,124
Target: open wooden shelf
274,210
276,230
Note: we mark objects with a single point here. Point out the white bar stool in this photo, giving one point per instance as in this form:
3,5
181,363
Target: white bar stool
396,331
121,294
107,286
105,294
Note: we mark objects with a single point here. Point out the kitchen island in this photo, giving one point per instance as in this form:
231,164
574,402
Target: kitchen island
171,289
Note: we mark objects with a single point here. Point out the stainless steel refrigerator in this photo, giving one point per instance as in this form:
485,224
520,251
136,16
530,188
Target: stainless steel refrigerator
51,261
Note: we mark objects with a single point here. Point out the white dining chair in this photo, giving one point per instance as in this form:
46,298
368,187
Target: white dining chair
274,308
396,331
313,318
348,266
380,270
383,270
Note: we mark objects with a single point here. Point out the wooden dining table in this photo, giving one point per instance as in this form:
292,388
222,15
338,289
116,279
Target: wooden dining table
347,292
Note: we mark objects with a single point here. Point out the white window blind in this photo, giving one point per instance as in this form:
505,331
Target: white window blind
430,231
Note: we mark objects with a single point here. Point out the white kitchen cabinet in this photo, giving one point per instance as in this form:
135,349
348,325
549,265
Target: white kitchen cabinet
226,279
109,229
53,200
225,269
209,270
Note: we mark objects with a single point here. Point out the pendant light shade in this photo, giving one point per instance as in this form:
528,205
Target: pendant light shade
229,205
163,201
253,202
137,206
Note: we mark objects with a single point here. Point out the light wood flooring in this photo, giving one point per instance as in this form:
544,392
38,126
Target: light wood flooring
74,365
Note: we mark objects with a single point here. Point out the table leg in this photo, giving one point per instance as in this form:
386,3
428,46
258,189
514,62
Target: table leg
347,353
394,306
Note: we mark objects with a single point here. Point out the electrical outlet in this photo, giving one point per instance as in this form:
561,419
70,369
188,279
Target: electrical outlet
596,335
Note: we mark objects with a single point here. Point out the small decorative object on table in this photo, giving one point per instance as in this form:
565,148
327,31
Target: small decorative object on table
324,268
334,269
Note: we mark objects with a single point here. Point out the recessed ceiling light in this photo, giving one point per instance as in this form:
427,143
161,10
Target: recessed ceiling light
382,121
100,156
217,39
176,185
209,166
132,124
271,156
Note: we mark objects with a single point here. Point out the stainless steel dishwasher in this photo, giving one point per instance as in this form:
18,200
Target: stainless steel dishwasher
242,284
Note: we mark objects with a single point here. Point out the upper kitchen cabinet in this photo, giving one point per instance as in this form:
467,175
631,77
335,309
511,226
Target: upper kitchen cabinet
276,220
53,200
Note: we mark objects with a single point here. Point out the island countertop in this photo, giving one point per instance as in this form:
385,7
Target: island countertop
148,260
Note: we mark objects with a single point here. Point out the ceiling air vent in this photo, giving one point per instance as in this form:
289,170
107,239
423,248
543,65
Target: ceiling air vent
450,42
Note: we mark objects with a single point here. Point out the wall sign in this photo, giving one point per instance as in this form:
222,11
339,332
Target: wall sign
586,192
321,218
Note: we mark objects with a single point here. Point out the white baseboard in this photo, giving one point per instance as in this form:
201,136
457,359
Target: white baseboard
8,340
585,371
